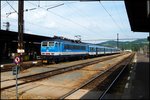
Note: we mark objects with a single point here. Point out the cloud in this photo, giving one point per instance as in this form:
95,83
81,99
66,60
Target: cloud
87,19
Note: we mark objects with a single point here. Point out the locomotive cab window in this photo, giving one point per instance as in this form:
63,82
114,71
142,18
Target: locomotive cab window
44,43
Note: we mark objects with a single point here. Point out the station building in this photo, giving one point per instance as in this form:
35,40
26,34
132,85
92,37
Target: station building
9,45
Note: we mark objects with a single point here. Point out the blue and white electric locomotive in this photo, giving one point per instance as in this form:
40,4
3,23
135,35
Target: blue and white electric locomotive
58,49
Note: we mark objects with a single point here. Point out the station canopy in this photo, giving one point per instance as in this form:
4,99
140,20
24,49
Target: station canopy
138,14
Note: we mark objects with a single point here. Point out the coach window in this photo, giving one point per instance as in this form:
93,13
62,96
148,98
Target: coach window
65,46
80,47
83,47
68,47
71,46
77,47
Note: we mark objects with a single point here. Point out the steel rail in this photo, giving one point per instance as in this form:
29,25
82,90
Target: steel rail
104,93
39,76
66,69
87,82
8,67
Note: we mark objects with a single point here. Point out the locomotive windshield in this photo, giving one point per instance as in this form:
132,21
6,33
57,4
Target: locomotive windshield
47,43
44,43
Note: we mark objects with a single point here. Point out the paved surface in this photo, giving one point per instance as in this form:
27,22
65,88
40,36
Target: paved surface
136,86
140,82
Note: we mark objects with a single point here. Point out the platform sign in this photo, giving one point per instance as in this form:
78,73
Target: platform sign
17,60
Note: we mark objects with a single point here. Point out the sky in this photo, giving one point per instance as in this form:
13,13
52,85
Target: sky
93,21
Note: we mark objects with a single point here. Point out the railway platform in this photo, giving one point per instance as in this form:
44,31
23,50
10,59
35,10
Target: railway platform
137,81
138,87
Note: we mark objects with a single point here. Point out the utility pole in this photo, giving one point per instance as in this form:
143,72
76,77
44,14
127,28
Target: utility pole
117,40
20,50
20,26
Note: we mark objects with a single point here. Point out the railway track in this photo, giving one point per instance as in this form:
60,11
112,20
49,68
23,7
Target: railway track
72,90
116,75
43,75
25,65
52,68
101,83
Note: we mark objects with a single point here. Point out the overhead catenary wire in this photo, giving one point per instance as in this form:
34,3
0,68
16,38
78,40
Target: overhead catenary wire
120,16
55,6
48,11
114,20
110,16
40,26
117,12
65,18
75,9
57,14
15,10
12,8
3,6
24,10
79,10
54,14
71,19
